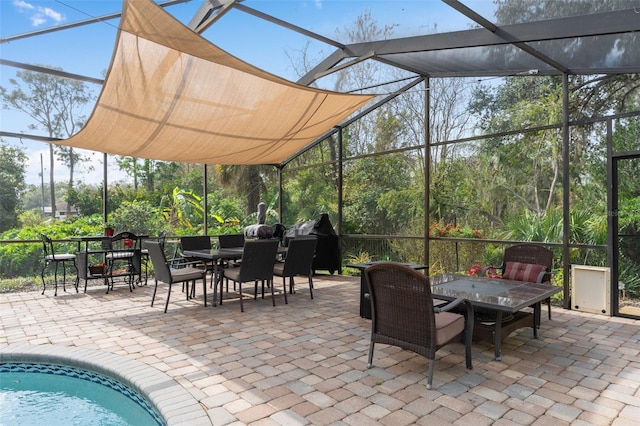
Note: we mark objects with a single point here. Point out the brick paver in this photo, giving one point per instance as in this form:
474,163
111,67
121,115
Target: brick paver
305,362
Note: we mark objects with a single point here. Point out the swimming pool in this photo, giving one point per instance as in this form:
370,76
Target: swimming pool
46,394
175,404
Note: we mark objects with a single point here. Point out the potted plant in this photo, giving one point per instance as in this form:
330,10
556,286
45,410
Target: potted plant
108,230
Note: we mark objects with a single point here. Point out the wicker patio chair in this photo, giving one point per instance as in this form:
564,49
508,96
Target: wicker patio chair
299,261
527,262
162,272
258,258
403,314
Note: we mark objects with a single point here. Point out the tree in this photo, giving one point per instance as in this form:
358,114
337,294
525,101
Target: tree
54,103
182,209
592,94
250,181
12,171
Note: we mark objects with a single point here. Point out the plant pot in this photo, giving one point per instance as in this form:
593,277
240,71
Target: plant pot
97,269
109,232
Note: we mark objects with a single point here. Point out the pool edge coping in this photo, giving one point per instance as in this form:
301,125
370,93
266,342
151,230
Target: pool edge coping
172,400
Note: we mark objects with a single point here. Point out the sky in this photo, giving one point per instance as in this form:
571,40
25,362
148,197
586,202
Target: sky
87,49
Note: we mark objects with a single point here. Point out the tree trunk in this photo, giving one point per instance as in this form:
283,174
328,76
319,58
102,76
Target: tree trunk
253,197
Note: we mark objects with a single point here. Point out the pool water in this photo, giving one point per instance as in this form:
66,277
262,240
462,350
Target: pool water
44,394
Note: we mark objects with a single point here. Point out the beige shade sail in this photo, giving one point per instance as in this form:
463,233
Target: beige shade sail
172,95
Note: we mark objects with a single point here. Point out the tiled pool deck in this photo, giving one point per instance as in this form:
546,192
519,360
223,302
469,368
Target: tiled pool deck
305,362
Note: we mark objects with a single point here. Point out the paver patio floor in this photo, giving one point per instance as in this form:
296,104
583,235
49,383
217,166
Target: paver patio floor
305,362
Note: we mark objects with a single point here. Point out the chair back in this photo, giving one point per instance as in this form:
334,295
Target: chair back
230,240
49,250
195,242
300,255
159,261
258,258
529,253
122,241
162,238
47,246
401,308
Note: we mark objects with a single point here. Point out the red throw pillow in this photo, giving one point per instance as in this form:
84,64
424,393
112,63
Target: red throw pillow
523,271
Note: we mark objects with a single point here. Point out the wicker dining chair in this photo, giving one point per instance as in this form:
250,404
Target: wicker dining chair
403,314
258,258
299,262
164,273
528,262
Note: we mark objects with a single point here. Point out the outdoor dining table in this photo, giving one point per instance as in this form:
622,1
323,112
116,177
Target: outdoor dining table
218,256
500,300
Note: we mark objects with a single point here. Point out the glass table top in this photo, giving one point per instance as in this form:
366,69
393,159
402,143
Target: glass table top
492,293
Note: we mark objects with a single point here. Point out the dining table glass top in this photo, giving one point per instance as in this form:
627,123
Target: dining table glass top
492,293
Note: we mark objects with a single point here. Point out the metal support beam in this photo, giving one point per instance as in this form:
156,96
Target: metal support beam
355,118
105,214
612,219
325,73
51,71
280,192
566,191
79,23
323,66
205,204
471,14
288,25
427,166
340,184
212,19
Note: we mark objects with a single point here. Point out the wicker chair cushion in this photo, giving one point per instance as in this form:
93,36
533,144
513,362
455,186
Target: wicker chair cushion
185,274
523,271
448,325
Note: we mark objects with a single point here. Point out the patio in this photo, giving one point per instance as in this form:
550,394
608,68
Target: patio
305,362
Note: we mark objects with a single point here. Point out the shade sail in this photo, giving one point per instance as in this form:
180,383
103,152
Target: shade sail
172,95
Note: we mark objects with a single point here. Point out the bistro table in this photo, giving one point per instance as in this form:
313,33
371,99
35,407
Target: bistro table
218,256
85,256
365,305
503,301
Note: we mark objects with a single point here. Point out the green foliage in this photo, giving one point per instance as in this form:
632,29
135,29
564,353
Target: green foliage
30,218
440,229
309,192
369,183
360,257
12,170
87,199
452,255
23,259
630,276
183,209
138,217
224,209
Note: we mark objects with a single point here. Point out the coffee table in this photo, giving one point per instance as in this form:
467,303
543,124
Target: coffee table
505,299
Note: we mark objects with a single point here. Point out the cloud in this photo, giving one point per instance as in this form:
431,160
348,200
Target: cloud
318,4
37,20
22,5
38,15
56,16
